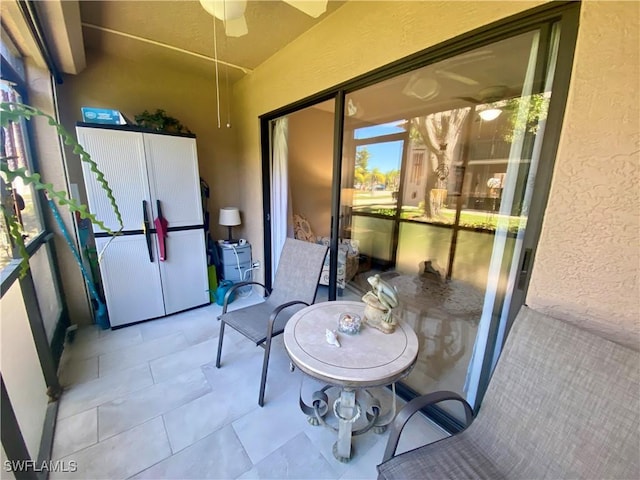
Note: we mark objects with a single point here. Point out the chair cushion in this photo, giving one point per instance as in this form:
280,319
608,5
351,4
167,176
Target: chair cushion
348,261
302,229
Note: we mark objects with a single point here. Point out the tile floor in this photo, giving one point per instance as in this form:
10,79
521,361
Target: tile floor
146,401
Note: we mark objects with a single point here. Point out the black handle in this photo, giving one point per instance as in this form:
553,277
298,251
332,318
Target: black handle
159,209
146,228
524,269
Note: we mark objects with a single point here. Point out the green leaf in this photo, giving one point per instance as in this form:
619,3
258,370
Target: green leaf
15,232
14,112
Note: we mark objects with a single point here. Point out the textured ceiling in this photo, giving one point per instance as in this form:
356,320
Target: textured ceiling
459,81
186,25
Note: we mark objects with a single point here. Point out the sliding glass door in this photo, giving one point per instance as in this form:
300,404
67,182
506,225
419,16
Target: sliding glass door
440,166
438,182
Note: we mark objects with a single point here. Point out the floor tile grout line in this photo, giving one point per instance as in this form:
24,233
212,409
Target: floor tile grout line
166,432
110,351
112,436
230,423
134,390
83,448
127,395
176,334
153,378
244,449
98,424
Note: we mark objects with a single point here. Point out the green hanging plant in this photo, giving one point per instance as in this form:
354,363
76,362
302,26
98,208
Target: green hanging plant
14,112
161,122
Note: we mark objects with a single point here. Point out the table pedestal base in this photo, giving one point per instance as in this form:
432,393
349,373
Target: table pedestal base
347,409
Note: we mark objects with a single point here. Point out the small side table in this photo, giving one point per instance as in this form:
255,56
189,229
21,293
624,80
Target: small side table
367,359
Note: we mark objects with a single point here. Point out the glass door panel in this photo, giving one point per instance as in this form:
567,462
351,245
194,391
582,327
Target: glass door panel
301,179
438,171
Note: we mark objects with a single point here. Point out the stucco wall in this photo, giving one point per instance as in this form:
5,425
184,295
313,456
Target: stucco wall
587,262
355,39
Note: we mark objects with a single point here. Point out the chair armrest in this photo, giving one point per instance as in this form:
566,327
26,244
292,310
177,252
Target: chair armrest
276,311
234,287
412,407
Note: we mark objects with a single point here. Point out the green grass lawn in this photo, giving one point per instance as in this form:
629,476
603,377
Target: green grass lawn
479,220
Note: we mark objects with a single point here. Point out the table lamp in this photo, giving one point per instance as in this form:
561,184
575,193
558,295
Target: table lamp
229,217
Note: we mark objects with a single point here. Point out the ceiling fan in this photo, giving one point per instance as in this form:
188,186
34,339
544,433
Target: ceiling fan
446,67
231,12
488,95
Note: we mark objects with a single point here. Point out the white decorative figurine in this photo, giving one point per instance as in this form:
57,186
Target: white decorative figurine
382,298
332,338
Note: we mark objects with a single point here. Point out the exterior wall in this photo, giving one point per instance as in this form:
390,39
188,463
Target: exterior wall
587,262
355,39
133,87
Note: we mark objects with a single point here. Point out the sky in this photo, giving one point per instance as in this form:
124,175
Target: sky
385,156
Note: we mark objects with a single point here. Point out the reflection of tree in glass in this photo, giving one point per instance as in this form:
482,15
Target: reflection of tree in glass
367,179
362,167
375,177
392,179
524,115
439,133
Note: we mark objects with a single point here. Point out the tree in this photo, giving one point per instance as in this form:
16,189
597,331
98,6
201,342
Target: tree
375,177
362,166
525,115
392,179
438,132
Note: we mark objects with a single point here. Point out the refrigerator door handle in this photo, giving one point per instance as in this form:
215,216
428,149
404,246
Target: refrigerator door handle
146,228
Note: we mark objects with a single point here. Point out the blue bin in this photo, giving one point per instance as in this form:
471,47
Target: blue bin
221,291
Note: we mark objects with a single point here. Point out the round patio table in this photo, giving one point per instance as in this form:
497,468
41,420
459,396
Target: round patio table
369,358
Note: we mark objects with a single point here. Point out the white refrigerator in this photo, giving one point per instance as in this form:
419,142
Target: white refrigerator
152,175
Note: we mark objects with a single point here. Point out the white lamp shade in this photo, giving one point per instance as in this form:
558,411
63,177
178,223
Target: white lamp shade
229,216
490,114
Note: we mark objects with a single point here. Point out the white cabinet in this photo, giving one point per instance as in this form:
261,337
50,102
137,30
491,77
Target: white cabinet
145,170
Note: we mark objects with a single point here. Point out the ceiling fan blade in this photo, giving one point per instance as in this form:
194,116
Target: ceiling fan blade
224,9
236,27
313,8
457,77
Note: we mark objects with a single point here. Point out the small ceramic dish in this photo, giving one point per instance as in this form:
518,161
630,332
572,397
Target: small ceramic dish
349,323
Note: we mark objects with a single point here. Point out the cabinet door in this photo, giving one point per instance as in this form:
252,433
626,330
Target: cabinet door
121,157
174,178
131,282
184,274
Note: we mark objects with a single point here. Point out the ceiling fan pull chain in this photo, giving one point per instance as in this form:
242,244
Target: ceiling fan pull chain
226,78
215,57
